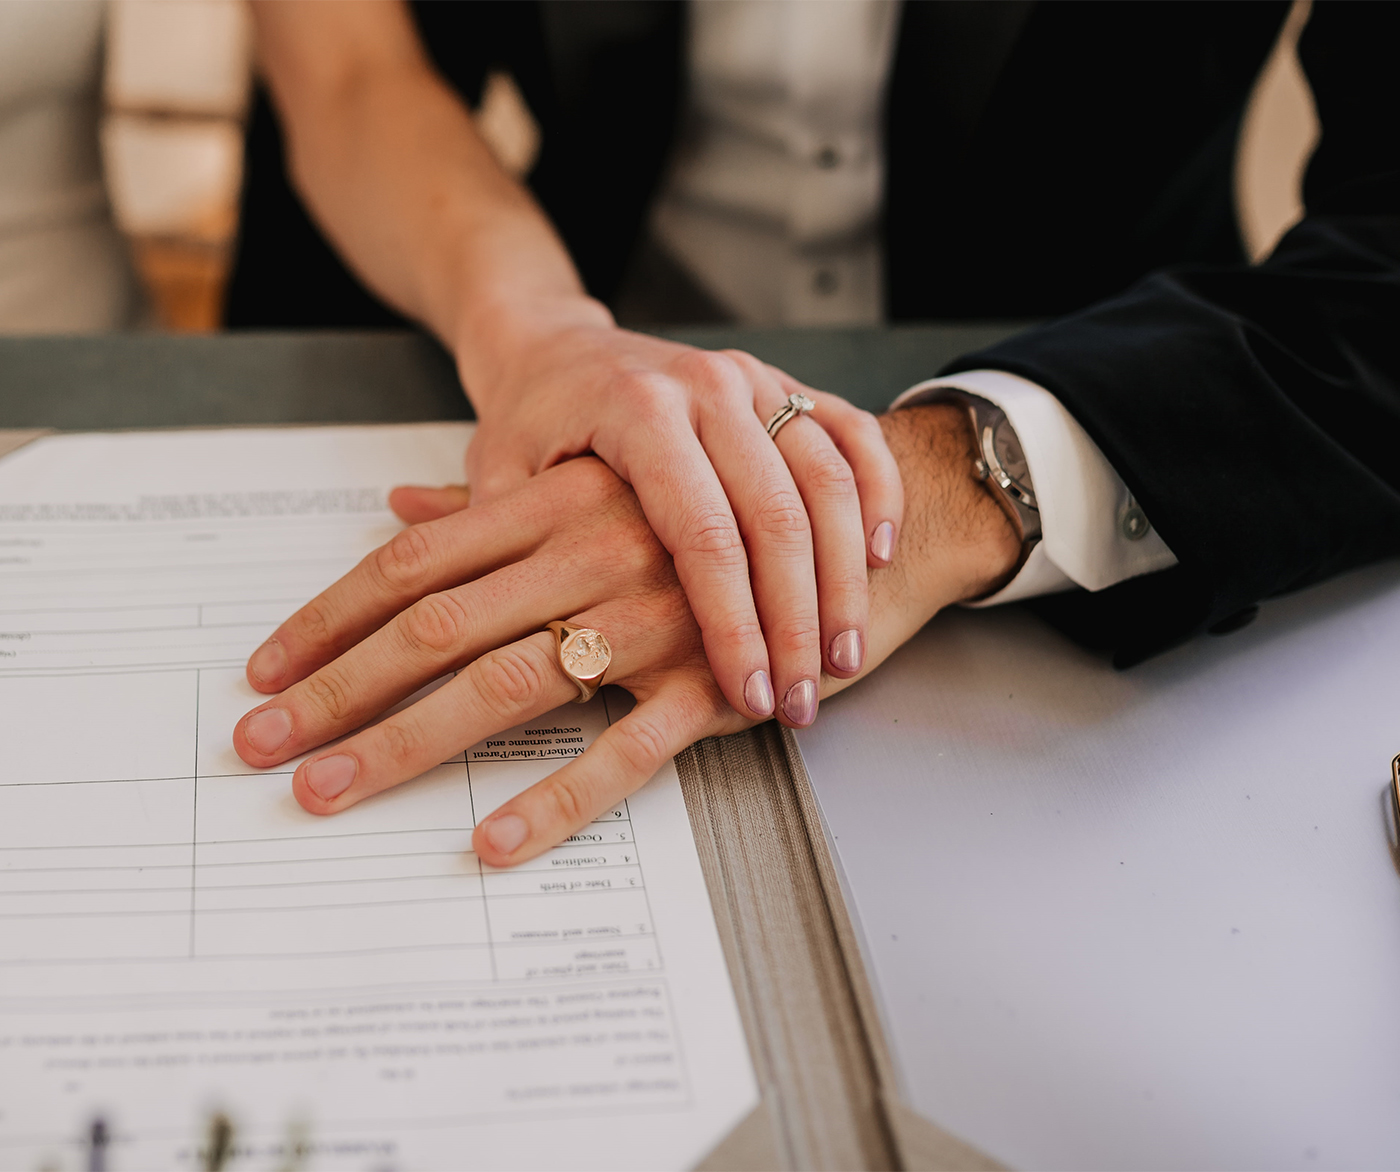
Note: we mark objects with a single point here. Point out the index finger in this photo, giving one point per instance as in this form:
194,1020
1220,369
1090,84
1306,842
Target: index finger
420,560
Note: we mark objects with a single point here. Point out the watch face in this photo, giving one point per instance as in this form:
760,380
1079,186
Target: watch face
1012,459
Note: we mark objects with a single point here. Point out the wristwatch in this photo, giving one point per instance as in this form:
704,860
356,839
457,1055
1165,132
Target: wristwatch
1001,466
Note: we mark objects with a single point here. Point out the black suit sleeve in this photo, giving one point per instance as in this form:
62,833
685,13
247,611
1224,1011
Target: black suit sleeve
1254,411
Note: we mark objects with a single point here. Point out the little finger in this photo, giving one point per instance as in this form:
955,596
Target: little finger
857,436
623,758
828,491
777,532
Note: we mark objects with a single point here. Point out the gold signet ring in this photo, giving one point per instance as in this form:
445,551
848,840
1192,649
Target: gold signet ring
584,654
796,405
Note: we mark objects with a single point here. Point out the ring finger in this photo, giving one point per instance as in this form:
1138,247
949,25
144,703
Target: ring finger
828,489
499,690
830,495
778,534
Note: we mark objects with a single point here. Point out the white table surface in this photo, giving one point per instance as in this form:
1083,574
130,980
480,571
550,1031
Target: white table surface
1140,919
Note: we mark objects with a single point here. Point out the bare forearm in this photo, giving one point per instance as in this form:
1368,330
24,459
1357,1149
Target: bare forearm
391,166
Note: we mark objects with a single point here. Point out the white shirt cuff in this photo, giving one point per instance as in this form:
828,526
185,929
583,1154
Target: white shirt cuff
1082,499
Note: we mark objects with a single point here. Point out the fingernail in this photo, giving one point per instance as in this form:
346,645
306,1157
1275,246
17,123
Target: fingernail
758,694
507,832
882,541
269,662
848,651
329,777
800,703
268,730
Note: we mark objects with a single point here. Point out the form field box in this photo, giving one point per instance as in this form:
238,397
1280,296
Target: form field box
123,727
98,937
578,959
302,932
317,895
584,915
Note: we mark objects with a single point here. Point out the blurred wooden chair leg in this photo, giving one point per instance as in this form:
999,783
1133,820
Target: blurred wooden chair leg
186,282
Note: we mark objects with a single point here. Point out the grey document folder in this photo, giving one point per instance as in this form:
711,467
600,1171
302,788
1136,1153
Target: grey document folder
1135,919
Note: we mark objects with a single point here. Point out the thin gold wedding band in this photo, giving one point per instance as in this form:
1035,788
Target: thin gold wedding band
584,655
797,404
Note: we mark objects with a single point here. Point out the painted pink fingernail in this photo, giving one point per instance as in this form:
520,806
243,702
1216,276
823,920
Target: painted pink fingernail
848,651
269,662
758,694
507,832
882,541
268,730
329,777
800,703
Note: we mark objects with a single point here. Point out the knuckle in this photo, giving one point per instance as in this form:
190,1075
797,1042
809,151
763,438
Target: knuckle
328,692
872,435
796,634
572,799
867,422
707,369
783,520
511,677
435,625
646,395
745,631
715,535
401,742
489,485
406,559
745,361
827,473
315,623
642,744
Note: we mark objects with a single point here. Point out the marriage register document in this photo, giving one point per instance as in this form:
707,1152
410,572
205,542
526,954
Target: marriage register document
180,941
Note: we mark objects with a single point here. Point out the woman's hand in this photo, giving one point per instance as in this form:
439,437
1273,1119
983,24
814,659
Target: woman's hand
471,590
770,548
771,537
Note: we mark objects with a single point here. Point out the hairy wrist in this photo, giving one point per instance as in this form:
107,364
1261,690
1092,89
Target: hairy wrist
956,543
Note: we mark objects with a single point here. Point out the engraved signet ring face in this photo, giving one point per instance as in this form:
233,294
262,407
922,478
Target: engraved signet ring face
584,655
797,404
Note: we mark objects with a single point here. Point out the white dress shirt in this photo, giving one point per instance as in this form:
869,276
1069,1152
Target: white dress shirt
1082,500
773,206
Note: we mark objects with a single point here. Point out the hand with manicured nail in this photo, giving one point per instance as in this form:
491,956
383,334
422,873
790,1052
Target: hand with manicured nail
770,540
771,537
469,589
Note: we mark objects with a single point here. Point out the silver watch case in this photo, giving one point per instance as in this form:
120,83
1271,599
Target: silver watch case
1011,486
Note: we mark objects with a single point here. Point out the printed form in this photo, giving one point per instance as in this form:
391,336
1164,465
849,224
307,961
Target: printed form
180,941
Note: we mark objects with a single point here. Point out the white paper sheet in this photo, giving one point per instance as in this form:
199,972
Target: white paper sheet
179,939
1143,919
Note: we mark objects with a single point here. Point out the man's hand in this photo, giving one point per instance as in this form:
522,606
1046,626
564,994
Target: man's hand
770,542
470,591
771,537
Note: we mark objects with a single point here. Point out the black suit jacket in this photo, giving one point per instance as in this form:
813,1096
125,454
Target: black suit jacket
1042,157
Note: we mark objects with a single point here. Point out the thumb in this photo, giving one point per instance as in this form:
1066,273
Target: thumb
412,503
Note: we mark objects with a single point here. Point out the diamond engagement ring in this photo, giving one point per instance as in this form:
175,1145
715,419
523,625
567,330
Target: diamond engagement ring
796,405
584,654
